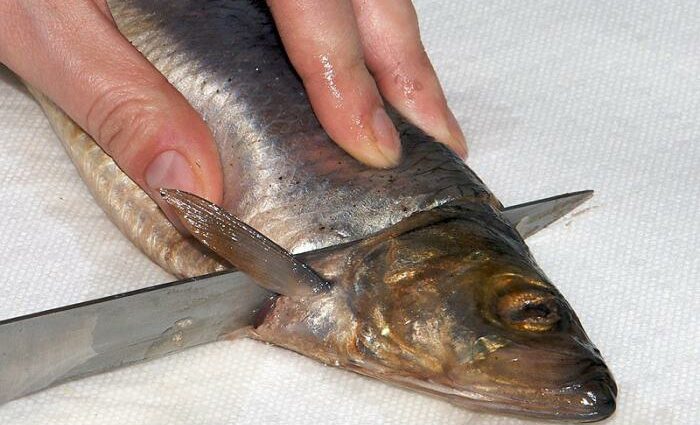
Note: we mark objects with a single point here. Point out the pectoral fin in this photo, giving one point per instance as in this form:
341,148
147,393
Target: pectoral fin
271,266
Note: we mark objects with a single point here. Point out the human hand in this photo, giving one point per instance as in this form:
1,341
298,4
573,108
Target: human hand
350,53
73,52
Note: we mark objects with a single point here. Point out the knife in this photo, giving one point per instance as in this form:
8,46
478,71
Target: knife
54,346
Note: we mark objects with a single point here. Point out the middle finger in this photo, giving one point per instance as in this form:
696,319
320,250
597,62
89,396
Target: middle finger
323,44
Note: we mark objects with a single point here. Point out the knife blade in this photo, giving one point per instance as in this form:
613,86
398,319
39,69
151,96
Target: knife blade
54,346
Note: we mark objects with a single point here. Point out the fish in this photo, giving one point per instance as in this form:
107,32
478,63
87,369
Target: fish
411,275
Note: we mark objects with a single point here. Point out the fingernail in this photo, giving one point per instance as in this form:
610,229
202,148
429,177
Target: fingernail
386,136
170,170
458,142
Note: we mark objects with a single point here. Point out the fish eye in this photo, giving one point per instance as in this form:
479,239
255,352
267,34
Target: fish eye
528,310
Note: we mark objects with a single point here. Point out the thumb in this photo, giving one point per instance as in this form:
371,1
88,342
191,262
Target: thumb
73,53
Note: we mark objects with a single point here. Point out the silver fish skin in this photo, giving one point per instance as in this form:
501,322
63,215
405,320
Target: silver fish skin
423,283
282,173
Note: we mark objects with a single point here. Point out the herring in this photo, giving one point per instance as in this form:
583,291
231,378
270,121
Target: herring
416,280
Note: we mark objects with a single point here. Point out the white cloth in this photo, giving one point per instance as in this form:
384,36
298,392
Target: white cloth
555,96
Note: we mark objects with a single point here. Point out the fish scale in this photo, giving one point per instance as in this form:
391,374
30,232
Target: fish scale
299,189
418,276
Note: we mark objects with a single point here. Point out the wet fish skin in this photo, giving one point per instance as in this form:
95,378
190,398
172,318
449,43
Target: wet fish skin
282,173
447,301
452,305
431,289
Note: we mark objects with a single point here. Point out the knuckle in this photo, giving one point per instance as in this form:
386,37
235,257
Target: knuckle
118,119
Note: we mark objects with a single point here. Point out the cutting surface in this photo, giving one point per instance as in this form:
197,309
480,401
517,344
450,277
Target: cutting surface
555,97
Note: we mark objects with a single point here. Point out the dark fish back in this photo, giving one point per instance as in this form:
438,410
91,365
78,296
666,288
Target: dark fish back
283,175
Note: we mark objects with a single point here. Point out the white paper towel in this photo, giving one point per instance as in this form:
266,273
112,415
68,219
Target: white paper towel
555,96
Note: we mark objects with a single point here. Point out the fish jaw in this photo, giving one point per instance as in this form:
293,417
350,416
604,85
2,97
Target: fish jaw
454,307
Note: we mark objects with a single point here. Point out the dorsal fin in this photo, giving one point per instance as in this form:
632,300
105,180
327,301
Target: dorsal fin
270,265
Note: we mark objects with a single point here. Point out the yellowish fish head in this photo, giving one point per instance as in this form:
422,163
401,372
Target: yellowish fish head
455,307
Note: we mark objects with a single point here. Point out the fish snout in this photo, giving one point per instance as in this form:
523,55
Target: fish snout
561,382
597,399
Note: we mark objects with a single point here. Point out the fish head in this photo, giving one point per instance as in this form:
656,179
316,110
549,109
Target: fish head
459,309
447,301
451,303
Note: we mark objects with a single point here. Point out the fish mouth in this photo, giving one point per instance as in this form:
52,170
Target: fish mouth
565,379
586,394
590,401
